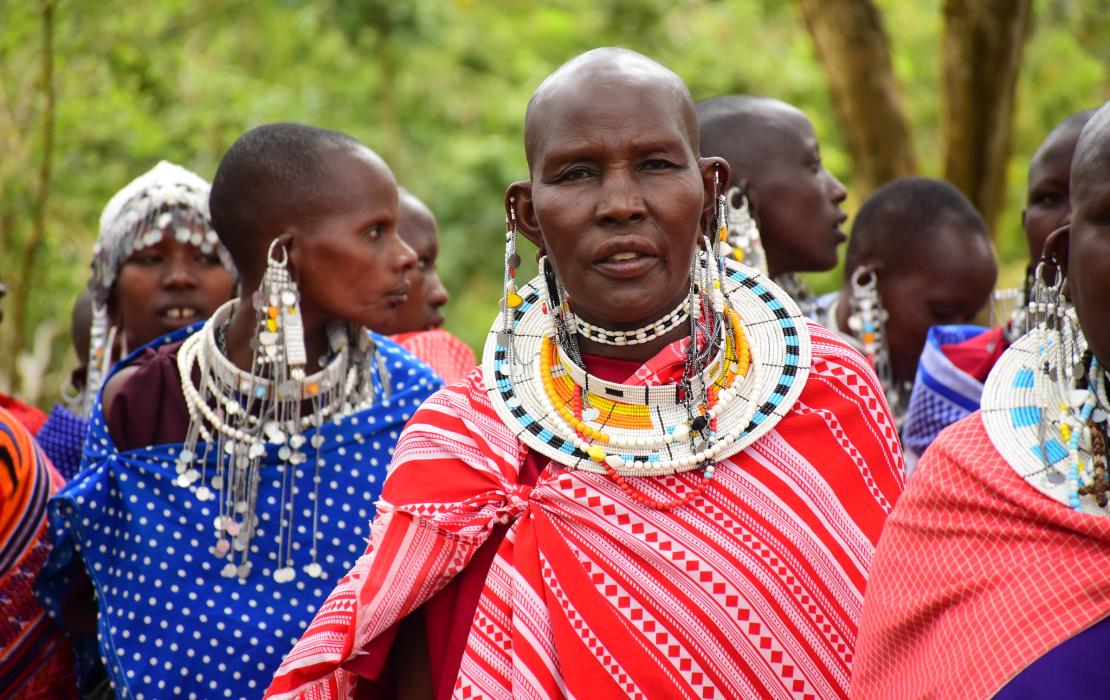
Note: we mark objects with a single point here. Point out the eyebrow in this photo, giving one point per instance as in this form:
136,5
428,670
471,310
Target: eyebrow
583,149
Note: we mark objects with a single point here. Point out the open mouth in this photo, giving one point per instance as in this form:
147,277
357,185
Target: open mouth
626,264
181,314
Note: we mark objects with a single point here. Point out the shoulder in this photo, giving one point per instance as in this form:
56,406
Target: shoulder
455,437
150,369
449,356
404,373
842,418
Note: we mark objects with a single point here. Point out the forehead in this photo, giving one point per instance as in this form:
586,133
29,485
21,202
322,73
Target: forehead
415,222
358,175
1053,158
954,256
642,111
790,129
1090,176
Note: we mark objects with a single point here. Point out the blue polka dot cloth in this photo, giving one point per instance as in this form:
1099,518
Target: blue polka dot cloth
62,437
169,624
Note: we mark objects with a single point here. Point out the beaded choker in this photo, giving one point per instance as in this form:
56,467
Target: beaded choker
638,336
756,367
237,418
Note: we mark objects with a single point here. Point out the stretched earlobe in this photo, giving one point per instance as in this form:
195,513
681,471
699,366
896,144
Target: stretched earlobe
518,198
709,168
1056,248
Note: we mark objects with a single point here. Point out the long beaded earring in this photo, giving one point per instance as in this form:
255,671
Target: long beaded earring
744,238
511,301
280,333
1046,317
867,322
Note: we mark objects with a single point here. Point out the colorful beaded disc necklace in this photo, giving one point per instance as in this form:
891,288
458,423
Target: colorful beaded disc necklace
754,368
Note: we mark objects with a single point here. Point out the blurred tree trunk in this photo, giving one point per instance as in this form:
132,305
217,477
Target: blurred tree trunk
982,51
30,249
855,53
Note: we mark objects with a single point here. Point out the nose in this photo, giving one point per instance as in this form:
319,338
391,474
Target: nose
837,193
437,295
179,275
620,201
402,256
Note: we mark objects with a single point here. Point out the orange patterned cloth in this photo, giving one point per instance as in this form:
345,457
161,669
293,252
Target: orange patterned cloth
451,358
35,658
976,576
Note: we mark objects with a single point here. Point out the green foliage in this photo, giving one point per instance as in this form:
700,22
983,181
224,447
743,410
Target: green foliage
439,88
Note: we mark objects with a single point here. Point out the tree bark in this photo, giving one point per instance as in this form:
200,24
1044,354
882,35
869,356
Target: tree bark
854,51
31,246
982,50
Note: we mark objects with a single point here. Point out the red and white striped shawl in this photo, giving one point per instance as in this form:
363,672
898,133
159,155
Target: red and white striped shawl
753,590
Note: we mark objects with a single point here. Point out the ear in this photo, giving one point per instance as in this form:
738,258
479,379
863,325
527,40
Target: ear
1056,248
710,167
285,245
518,198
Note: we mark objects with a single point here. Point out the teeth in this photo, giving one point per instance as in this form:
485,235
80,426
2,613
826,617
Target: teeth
179,313
627,255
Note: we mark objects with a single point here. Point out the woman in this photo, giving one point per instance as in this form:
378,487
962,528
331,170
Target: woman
919,256
626,498
231,470
784,205
991,579
157,267
418,325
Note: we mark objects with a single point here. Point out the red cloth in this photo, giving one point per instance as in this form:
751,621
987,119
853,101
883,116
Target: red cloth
35,658
448,615
976,356
451,358
752,590
31,417
977,575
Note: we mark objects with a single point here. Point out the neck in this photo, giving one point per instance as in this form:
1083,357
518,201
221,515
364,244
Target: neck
637,353
244,326
843,307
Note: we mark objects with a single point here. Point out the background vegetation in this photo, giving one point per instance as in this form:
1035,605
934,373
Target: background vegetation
94,93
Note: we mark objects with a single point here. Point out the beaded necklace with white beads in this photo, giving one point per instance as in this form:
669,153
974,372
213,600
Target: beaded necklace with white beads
237,417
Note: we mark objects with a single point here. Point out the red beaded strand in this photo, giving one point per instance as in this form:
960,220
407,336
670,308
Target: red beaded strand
644,499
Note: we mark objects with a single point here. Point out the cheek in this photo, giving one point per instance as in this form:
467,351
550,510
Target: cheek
217,284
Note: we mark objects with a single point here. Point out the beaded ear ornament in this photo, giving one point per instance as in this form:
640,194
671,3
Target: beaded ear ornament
747,363
1045,403
867,323
743,232
239,422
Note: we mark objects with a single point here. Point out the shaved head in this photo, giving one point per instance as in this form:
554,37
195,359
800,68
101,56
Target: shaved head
1066,130
1092,154
745,130
605,68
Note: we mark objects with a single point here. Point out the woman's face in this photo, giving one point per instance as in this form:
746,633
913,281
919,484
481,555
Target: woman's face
167,286
616,200
797,202
350,264
1088,249
950,285
427,295
1048,201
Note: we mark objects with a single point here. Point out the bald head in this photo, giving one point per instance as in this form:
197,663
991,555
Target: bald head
746,130
1092,155
605,69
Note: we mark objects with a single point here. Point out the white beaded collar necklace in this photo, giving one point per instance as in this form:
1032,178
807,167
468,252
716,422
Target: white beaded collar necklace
227,441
